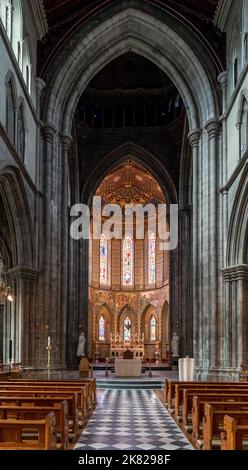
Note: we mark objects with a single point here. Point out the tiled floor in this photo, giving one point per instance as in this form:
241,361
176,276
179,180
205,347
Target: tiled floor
131,419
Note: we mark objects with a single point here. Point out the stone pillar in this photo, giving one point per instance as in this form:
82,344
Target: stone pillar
66,141
185,283
23,316
236,314
20,57
9,21
212,128
46,284
194,139
222,79
40,85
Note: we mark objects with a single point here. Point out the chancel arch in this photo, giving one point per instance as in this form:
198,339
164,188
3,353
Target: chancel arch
87,53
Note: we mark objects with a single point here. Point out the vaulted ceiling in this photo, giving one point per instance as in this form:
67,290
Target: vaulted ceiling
64,16
64,10
130,184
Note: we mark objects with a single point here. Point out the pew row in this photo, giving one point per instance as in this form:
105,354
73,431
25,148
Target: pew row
38,413
28,399
213,424
170,388
224,402
45,389
213,394
28,434
234,436
89,383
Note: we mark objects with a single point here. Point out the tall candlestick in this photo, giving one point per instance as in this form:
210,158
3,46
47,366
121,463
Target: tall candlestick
49,349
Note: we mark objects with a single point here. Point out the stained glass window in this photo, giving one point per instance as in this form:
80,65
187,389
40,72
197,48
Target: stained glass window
127,262
152,259
101,329
153,329
127,329
103,260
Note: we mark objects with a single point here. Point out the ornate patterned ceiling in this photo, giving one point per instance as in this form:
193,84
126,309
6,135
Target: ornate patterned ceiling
130,184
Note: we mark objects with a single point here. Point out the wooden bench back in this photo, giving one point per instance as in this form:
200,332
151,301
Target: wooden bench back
213,422
170,387
221,403
82,392
233,436
188,395
16,434
39,413
40,400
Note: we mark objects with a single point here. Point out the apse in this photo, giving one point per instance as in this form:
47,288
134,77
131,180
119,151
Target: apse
128,277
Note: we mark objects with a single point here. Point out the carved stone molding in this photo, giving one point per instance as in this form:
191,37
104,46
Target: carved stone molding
22,272
235,273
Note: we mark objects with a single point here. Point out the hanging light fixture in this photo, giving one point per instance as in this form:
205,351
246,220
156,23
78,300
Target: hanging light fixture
5,290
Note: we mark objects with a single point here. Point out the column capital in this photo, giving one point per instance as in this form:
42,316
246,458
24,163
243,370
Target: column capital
194,137
66,140
23,272
222,79
40,84
212,127
235,273
48,131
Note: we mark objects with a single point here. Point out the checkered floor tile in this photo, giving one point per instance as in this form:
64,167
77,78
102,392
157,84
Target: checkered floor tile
131,419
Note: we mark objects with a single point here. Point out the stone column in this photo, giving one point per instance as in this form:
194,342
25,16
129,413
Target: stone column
222,79
242,319
20,58
194,139
212,128
66,141
40,85
9,21
236,324
46,263
23,316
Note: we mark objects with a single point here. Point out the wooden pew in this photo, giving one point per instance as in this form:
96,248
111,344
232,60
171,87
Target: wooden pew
28,399
216,394
213,423
170,388
234,436
19,435
90,382
223,402
194,389
38,413
47,388
90,386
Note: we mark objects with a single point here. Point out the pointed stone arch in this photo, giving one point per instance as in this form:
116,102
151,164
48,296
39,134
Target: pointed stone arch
19,216
237,240
127,30
138,154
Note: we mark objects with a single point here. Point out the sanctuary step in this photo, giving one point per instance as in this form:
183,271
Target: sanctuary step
145,367
125,383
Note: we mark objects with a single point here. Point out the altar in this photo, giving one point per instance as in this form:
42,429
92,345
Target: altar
118,346
128,367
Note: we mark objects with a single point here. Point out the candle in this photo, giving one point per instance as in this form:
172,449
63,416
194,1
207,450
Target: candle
48,341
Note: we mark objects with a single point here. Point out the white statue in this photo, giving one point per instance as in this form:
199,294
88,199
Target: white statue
175,345
81,345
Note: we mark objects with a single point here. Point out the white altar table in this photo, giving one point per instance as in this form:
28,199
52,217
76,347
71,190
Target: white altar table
128,367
